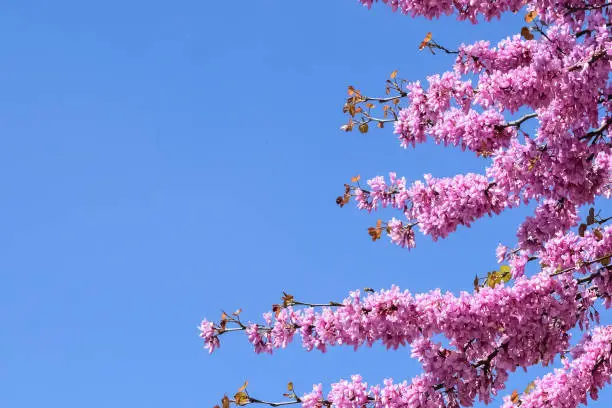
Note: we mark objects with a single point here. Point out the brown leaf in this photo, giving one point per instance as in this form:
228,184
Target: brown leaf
375,233
363,128
425,41
532,163
222,325
380,125
346,198
355,179
351,109
529,17
393,74
276,309
582,229
287,299
605,261
289,386
241,398
526,33
598,234
370,105
591,217
514,397
225,402
243,386
237,312
351,90
476,284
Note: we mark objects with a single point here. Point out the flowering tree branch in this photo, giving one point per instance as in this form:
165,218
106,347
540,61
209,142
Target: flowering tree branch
557,68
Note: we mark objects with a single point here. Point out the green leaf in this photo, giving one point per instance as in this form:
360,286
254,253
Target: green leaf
505,272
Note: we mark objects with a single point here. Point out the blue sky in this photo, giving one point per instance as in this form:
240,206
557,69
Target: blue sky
161,162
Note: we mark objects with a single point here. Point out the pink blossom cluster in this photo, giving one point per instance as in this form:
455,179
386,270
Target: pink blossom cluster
590,370
550,218
490,332
467,9
438,206
562,78
472,9
559,83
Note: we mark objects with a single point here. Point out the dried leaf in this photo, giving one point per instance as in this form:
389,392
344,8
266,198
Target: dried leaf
346,198
526,33
243,386
598,234
351,90
351,109
514,397
225,402
237,312
591,217
370,105
241,398
393,74
532,163
605,261
363,128
529,17
380,125
355,179
277,309
375,233
289,386
287,299
476,284
425,41
582,229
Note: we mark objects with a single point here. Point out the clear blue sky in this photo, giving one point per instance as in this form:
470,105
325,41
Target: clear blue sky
161,161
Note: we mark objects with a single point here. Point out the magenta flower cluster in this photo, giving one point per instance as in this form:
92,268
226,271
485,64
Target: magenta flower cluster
556,77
